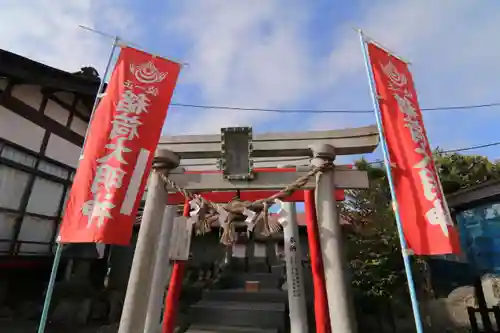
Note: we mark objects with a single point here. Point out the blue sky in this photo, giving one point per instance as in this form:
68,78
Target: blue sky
284,54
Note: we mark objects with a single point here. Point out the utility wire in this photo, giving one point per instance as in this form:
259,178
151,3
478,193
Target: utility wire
472,148
458,150
235,108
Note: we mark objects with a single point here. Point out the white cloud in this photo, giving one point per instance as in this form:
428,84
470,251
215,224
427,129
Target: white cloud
47,31
243,54
444,40
454,61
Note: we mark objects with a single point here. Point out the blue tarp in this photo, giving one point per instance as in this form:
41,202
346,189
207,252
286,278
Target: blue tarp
480,236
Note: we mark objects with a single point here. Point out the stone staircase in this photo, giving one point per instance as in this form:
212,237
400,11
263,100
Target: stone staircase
234,309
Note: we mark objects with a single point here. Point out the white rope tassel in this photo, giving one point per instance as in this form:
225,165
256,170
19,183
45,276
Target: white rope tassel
282,213
223,215
250,220
194,216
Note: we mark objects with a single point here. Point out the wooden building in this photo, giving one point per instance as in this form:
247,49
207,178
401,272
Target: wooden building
44,114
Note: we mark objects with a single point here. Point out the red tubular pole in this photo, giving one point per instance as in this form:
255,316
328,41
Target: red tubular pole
320,301
174,289
173,295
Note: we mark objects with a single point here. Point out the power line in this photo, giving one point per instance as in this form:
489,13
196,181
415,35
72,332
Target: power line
459,149
235,108
472,147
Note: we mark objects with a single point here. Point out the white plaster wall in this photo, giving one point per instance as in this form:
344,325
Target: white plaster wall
63,151
65,96
20,130
82,108
57,112
68,98
29,94
78,126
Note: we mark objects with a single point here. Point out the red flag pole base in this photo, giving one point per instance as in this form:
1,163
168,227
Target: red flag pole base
320,301
172,298
174,288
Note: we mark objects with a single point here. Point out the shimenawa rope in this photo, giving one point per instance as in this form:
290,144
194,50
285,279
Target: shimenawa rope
208,212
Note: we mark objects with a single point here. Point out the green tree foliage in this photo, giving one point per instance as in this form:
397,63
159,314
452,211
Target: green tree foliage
458,171
373,246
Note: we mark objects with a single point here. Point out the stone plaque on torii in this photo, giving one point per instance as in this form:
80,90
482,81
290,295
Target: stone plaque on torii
236,151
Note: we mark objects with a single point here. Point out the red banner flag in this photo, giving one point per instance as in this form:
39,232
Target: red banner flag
427,224
120,145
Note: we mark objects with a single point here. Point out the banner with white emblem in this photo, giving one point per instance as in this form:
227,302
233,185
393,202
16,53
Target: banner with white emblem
426,221
119,149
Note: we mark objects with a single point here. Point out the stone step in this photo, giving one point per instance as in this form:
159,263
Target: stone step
255,265
258,315
259,267
267,280
240,295
227,329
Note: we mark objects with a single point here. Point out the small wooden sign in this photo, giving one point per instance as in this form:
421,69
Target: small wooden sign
236,153
252,286
180,243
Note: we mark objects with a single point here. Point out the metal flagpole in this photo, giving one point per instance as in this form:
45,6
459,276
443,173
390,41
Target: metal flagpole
99,90
59,248
387,162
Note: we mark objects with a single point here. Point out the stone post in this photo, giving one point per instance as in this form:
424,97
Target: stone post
338,289
294,271
139,285
160,273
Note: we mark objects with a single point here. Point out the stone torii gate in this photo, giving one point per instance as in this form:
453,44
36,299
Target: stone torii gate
237,150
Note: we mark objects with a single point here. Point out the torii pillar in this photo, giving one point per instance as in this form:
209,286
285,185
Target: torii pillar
337,280
141,273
